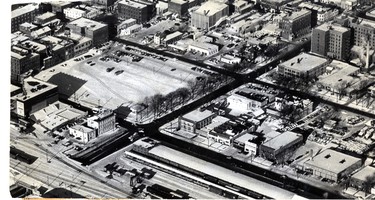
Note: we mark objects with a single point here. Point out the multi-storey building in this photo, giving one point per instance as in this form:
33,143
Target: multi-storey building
332,41
22,60
195,120
364,31
106,3
96,31
209,14
22,15
296,24
44,18
179,7
103,121
305,66
139,10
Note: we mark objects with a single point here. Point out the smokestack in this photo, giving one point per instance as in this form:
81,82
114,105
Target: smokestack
367,53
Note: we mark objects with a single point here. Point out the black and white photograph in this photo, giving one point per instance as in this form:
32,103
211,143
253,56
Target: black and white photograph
189,99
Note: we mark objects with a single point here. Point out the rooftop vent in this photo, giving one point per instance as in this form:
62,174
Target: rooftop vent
327,156
342,161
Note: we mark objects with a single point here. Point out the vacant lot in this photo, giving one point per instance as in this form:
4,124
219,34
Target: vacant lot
117,80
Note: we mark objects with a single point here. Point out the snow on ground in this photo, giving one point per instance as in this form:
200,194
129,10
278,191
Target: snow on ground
140,79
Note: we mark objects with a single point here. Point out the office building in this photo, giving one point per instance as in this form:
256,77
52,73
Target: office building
44,18
82,133
364,32
139,10
96,31
363,178
305,66
332,41
296,24
22,61
179,7
195,120
106,3
280,147
36,96
332,165
203,48
23,14
103,121
208,14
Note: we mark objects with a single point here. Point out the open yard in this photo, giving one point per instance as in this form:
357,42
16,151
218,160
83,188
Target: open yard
112,80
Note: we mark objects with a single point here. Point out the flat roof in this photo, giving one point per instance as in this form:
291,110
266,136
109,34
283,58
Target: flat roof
60,3
197,115
42,30
29,25
31,86
307,62
211,7
14,88
179,1
172,35
341,72
326,27
333,161
216,121
75,10
145,143
34,45
82,128
87,23
298,14
366,22
204,45
56,114
282,140
245,138
365,173
46,15
271,135
133,4
25,9
221,172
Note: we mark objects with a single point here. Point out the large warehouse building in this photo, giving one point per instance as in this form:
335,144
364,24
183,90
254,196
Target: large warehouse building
332,165
208,14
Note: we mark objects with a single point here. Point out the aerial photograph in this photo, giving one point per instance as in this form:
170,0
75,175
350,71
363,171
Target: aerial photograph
191,99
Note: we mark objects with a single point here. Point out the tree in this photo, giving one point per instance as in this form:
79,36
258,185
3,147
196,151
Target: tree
340,88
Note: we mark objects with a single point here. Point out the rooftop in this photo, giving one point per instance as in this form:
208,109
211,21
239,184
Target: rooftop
204,45
210,8
46,15
179,1
28,25
14,88
298,14
366,22
173,35
306,62
41,31
333,161
197,115
245,138
282,140
82,128
326,27
35,87
145,143
34,45
341,72
365,173
20,11
76,10
133,4
87,23
60,3
217,121
56,114
220,172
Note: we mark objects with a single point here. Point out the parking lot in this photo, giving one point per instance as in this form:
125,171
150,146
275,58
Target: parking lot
122,76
